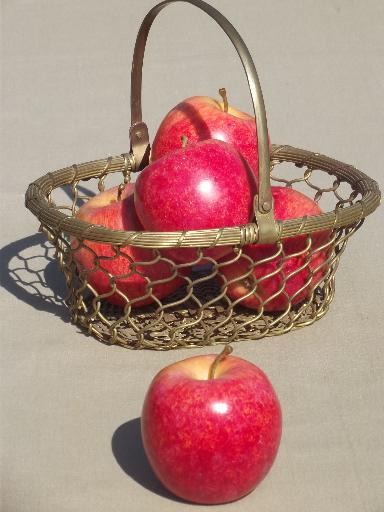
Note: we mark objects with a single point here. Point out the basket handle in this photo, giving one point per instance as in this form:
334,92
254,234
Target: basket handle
263,204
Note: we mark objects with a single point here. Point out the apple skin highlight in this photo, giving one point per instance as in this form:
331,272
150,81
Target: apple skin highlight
200,118
211,440
201,186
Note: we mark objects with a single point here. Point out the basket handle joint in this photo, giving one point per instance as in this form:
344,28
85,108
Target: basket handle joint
268,229
140,147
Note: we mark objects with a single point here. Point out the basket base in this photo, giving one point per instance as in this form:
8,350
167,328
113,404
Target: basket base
187,327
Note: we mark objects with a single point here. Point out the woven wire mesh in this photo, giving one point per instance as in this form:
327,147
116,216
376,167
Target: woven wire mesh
146,298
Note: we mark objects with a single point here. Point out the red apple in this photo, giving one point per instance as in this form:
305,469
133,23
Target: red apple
289,203
130,277
200,118
201,186
211,427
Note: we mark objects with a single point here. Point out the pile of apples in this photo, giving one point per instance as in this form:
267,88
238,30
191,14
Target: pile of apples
203,174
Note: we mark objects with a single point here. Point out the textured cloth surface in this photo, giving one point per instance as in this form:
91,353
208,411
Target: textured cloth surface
70,406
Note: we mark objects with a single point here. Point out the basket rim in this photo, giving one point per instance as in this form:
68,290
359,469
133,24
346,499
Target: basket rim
36,200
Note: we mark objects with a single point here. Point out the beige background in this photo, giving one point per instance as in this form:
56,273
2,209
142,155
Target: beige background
70,433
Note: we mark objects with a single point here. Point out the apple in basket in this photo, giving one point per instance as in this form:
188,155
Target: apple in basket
294,273
202,117
211,427
101,265
202,185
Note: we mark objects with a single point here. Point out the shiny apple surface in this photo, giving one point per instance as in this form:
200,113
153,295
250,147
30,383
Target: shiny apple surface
211,440
200,118
204,185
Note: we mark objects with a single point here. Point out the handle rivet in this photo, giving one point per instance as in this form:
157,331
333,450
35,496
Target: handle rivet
266,206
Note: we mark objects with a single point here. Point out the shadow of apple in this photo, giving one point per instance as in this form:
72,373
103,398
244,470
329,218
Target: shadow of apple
128,450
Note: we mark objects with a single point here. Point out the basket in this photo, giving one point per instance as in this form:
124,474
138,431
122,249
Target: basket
277,275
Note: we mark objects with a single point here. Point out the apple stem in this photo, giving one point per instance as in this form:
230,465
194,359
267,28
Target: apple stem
120,190
223,94
224,353
184,141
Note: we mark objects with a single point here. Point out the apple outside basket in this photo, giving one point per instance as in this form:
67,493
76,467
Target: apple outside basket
201,312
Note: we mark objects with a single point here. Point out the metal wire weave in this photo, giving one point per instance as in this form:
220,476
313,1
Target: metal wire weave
253,292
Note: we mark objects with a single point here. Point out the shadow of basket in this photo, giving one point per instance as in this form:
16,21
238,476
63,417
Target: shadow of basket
29,271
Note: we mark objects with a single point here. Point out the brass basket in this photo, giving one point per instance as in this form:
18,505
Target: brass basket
285,290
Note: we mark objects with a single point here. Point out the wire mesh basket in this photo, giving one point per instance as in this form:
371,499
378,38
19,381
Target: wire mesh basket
163,290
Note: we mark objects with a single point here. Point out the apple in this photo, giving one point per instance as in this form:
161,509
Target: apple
202,117
289,203
130,277
203,185
211,427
